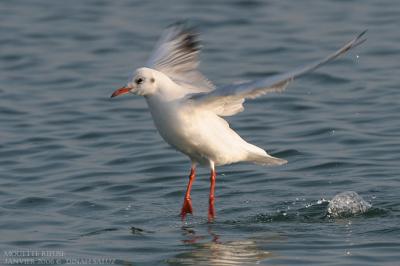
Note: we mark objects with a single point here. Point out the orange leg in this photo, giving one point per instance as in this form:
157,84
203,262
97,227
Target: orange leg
187,202
211,209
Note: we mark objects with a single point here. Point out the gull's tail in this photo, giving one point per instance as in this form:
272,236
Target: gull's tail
266,160
259,156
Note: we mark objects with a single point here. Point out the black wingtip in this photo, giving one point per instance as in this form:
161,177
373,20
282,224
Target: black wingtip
359,40
189,35
362,33
179,23
183,26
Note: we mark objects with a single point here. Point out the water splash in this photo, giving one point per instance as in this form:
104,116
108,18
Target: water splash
346,204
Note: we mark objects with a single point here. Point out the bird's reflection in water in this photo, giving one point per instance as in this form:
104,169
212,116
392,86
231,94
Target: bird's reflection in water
216,251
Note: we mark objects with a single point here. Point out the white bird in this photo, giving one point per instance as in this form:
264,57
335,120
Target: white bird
188,109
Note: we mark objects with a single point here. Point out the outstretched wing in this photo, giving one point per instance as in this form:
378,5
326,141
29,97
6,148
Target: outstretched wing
176,55
228,100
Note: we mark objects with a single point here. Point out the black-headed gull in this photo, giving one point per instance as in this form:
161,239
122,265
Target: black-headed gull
188,109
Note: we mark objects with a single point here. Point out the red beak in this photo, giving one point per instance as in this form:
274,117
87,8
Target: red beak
120,91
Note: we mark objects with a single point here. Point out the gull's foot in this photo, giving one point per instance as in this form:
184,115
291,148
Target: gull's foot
186,208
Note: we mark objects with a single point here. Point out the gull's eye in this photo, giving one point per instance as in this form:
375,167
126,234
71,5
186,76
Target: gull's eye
139,81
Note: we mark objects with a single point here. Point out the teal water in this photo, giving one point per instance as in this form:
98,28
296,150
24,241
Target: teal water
90,177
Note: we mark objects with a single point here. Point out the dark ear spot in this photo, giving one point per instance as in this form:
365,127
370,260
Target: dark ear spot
152,80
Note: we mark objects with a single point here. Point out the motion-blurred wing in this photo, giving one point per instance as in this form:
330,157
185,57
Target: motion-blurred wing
176,55
228,100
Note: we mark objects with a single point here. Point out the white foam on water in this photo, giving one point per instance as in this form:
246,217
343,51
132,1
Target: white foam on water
346,204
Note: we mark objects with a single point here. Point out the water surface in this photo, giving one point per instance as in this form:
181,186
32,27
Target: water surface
91,177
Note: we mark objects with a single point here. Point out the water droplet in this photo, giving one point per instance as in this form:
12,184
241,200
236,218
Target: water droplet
321,201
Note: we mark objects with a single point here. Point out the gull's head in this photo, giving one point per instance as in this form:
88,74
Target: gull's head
143,83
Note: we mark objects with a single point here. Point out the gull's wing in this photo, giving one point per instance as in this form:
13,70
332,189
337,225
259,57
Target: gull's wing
228,100
176,55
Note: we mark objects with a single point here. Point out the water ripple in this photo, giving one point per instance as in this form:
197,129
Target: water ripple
89,175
